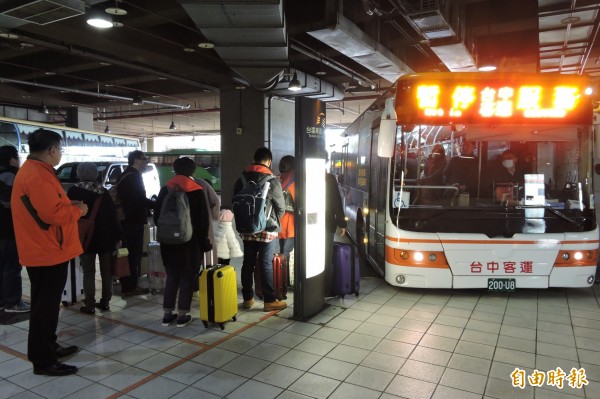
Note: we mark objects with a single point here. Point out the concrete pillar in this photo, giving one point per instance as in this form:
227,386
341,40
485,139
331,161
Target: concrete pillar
250,119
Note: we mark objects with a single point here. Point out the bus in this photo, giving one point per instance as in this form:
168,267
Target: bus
538,232
78,145
208,164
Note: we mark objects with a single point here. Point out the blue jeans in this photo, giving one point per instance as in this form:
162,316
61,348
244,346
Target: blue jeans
183,279
10,274
259,254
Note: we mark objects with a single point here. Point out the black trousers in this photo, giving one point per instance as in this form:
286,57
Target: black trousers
47,285
134,242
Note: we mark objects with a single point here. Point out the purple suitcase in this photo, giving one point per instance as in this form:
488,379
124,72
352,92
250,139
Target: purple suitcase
346,270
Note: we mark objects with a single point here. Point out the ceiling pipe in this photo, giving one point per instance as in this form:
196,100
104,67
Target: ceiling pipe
105,115
89,93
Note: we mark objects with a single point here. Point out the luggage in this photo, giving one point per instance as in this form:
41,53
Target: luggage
157,276
73,291
218,295
346,270
280,278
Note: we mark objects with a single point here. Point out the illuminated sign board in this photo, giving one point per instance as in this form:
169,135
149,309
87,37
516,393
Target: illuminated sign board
492,98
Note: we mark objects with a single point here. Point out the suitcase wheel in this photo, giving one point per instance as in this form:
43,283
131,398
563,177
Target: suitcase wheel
222,325
205,323
234,318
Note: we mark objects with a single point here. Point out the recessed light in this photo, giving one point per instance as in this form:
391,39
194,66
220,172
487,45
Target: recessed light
8,35
321,73
105,63
188,50
25,44
49,73
116,11
162,78
206,45
117,24
570,20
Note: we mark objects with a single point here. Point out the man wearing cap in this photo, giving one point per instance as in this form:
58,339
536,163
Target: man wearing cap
105,237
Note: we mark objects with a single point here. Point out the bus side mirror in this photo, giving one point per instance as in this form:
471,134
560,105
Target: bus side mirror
387,136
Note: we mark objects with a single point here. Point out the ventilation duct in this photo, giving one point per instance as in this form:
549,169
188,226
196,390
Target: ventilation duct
42,12
349,40
250,36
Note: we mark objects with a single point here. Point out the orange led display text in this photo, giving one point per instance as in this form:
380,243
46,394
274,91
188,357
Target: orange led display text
512,101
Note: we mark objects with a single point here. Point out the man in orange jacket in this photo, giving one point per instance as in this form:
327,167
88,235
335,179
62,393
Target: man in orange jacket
45,223
288,228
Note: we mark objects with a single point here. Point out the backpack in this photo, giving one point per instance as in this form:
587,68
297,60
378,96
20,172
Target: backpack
86,225
287,197
250,205
174,224
114,194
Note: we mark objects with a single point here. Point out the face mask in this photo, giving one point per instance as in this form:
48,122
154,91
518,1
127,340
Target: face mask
508,163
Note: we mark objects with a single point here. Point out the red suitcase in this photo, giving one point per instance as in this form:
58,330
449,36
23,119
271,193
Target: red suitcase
280,279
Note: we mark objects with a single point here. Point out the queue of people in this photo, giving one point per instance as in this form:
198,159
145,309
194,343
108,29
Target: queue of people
46,237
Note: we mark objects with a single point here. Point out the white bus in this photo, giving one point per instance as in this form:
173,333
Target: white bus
78,145
535,231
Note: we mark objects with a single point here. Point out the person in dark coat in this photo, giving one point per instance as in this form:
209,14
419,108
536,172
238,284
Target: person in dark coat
260,247
136,208
502,175
105,238
11,285
181,260
334,220
433,175
461,170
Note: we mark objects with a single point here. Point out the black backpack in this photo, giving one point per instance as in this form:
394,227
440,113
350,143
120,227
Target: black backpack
287,197
250,205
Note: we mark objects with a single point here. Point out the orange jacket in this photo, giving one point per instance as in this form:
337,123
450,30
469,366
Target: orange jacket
288,228
58,242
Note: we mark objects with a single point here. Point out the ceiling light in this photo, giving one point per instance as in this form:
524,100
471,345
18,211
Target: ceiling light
570,20
107,129
188,49
206,45
43,109
295,84
137,100
321,73
172,127
486,64
99,19
9,35
116,10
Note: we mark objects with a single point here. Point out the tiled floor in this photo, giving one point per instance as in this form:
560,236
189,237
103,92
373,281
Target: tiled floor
387,343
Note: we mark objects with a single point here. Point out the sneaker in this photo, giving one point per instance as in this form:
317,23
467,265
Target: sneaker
275,305
184,320
248,304
169,319
102,306
20,307
136,291
87,309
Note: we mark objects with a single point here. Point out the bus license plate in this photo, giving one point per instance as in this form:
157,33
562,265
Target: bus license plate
501,284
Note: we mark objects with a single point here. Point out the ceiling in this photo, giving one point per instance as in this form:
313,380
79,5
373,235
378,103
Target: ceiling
344,52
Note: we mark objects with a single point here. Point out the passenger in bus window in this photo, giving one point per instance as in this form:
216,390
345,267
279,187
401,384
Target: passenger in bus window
461,170
505,178
433,175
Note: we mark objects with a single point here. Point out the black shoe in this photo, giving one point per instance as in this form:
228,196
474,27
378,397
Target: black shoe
102,306
87,309
56,369
64,351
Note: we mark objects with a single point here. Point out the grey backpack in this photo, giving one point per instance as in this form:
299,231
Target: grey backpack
174,224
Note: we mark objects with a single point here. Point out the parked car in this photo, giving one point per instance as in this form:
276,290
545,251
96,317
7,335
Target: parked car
109,174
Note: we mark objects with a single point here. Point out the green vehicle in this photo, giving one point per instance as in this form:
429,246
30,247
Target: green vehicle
208,164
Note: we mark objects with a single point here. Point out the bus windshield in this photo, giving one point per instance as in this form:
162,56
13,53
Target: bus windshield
497,180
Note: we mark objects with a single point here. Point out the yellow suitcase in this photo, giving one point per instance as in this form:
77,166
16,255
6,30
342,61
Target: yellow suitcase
218,295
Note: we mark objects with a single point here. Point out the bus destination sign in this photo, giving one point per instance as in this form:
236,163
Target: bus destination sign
478,100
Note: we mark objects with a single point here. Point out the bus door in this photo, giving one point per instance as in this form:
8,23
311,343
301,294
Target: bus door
377,206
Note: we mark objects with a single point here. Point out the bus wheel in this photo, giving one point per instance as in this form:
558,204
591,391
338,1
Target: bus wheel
360,234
